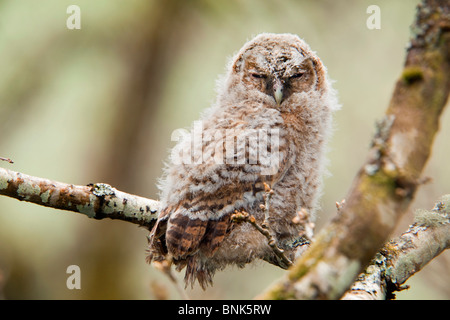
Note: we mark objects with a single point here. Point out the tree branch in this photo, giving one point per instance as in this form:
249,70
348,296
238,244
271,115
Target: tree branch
96,201
402,257
6,159
385,185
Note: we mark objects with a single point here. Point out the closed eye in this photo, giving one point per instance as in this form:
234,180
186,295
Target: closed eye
259,75
297,75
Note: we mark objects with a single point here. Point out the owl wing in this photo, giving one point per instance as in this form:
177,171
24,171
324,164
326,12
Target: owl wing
199,208
200,220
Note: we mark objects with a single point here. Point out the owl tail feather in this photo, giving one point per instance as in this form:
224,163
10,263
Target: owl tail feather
196,271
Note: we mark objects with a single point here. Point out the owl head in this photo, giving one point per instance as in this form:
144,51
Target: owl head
274,69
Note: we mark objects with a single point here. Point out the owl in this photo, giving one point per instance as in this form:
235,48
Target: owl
268,127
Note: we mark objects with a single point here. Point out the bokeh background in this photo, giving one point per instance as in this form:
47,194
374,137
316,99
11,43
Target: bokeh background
99,105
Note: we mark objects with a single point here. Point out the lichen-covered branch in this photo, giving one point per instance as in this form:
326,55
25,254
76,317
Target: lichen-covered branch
96,201
385,185
404,256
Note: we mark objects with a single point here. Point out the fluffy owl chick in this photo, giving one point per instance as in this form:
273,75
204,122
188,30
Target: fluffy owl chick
269,125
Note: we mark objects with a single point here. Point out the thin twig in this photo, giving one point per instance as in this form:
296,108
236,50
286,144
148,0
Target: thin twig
268,192
264,227
243,216
6,159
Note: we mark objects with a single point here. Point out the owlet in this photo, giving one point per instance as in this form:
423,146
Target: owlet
268,127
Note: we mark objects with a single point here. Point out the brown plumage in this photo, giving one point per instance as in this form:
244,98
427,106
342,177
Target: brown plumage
269,125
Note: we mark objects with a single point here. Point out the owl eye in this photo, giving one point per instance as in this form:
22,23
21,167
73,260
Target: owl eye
297,75
259,76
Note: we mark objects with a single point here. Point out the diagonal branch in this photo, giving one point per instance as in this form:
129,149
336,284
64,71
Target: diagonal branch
385,185
402,257
96,201
264,230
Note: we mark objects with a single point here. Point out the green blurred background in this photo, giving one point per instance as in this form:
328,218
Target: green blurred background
99,105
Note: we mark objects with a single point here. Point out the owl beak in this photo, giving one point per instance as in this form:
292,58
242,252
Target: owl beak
278,91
